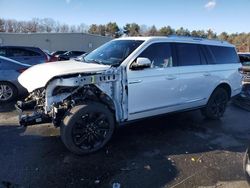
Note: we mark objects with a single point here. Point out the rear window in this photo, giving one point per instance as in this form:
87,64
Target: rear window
222,55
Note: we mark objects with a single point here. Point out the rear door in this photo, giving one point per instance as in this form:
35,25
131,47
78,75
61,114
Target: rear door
194,75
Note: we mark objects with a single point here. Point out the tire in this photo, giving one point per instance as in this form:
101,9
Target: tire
8,92
216,105
87,128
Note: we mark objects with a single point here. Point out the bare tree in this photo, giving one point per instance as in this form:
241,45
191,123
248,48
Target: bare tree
2,24
82,28
152,31
64,28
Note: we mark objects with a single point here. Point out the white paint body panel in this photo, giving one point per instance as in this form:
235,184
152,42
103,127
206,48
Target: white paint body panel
151,91
37,76
158,91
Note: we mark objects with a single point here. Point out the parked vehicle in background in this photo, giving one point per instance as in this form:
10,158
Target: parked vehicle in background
24,54
244,58
245,71
246,165
79,58
57,53
10,88
129,79
51,57
70,54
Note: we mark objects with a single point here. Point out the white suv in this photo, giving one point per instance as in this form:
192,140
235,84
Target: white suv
129,79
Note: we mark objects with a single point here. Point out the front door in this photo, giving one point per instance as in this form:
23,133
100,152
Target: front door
154,90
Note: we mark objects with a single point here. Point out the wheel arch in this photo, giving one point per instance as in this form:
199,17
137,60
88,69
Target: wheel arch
225,86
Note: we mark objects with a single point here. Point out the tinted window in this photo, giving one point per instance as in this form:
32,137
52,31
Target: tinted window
223,55
78,53
18,52
3,52
159,54
188,54
244,59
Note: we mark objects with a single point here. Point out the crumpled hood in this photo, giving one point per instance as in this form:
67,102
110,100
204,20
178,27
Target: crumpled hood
37,76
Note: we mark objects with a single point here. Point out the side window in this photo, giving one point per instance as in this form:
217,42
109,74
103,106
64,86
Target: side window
18,52
188,54
32,53
159,54
223,55
3,52
244,58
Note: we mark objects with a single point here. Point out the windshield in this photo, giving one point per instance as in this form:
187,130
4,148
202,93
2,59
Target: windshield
113,52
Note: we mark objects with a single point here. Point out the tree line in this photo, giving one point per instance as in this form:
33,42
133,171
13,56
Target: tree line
48,25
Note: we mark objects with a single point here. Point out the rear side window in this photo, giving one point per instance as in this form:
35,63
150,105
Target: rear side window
188,54
18,52
159,54
222,55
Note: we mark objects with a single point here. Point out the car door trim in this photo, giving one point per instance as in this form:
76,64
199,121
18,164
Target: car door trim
168,106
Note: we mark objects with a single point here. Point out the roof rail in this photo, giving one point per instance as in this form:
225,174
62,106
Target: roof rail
186,37
196,38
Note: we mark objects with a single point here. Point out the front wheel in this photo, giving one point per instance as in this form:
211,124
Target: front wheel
87,128
216,105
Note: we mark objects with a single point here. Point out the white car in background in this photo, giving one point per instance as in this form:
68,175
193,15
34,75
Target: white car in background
129,79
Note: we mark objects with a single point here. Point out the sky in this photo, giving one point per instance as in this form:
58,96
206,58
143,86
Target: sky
219,15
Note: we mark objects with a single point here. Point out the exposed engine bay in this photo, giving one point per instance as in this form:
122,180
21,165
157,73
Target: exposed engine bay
50,104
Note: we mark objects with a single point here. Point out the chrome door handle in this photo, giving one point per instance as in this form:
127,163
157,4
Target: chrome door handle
135,82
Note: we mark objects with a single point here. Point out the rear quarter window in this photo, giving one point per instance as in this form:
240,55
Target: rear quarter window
222,55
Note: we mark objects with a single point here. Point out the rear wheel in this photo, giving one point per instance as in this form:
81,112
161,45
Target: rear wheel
8,92
87,128
216,105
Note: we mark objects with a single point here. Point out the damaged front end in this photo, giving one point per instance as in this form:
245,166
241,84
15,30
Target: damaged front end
34,102
51,103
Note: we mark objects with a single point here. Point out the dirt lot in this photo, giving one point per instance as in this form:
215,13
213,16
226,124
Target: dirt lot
178,150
